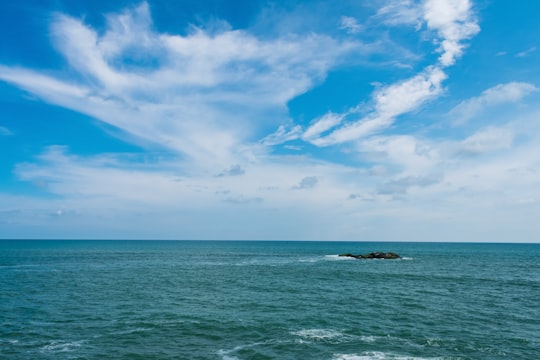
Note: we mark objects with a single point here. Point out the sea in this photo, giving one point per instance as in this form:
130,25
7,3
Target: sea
229,300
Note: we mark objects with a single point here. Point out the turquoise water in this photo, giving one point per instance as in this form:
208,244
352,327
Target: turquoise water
267,300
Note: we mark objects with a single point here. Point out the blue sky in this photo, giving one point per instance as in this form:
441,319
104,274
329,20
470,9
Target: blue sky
357,120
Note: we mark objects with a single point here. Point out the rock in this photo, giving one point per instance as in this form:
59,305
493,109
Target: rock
373,255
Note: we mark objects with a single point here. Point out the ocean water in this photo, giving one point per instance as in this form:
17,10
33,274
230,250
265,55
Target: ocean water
267,300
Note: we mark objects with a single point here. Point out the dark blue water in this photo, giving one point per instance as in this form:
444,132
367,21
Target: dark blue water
267,300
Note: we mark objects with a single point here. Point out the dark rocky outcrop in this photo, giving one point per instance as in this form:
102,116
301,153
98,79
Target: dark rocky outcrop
373,255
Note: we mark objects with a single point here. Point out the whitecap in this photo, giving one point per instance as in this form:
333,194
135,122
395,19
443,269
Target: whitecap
319,334
377,355
369,339
310,260
60,346
227,354
336,257
364,356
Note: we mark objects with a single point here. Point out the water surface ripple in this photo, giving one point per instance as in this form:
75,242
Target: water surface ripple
267,300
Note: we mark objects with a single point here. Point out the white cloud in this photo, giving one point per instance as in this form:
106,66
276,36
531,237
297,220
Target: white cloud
195,94
211,86
401,12
526,52
322,124
454,21
408,95
389,102
511,175
419,180
41,85
499,94
210,96
409,155
486,140
350,25
120,179
281,135
402,185
4,131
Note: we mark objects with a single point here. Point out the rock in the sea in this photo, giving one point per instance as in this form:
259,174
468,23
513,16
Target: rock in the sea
374,255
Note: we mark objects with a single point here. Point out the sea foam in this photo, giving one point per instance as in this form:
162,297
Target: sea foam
377,355
60,346
319,334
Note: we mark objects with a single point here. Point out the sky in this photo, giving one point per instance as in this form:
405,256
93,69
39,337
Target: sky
382,120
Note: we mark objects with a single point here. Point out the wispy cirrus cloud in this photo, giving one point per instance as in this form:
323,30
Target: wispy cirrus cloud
496,95
527,52
453,22
350,25
389,102
206,83
487,140
180,91
208,100
401,12
4,131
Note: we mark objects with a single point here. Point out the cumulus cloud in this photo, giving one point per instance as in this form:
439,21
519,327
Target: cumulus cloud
499,94
454,21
